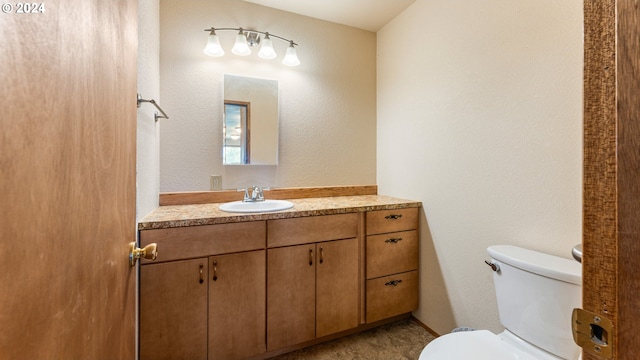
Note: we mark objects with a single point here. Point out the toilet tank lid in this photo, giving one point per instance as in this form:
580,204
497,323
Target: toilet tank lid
539,263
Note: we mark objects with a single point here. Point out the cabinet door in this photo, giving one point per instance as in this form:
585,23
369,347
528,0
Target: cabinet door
173,304
291,303
237,315
337,287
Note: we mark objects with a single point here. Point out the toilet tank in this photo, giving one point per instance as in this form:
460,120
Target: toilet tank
536,294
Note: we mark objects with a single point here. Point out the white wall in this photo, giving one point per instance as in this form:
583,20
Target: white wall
327,104
147,164
480,118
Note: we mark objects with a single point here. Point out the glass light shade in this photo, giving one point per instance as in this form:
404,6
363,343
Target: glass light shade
291,58
241,47
266,49
213,47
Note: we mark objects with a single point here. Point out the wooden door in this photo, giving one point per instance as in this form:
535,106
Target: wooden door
67,179
237,310
173,310
337,287
291,297
611,233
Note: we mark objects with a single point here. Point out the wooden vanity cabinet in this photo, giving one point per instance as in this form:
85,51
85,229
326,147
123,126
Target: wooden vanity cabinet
244,290
391,263
313,286
210,307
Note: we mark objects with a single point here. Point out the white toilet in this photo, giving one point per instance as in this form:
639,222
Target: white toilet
536,294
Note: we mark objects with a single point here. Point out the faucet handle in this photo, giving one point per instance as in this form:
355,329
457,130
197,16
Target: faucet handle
246,194
261,194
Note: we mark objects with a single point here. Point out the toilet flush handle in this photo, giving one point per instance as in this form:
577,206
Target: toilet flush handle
493,266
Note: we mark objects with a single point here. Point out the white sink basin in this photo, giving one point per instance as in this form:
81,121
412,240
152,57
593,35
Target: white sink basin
259,206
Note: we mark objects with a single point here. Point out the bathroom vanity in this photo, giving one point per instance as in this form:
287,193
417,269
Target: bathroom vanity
235,286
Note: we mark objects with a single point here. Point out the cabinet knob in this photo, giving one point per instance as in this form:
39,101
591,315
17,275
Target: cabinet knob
393,216
393,240
215,270
310,257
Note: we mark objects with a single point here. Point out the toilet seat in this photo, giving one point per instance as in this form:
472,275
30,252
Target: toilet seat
475,345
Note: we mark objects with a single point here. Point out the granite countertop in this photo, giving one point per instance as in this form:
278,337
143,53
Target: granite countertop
208,214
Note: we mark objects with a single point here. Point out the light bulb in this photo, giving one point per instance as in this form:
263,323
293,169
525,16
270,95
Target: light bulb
291,57
266,49
213,47
241,47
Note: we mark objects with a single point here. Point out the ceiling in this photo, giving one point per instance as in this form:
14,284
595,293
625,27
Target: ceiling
369,15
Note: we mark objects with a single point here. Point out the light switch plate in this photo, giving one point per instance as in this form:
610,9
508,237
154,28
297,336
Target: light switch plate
216,182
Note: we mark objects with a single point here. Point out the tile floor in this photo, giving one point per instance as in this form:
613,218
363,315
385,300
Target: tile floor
403,340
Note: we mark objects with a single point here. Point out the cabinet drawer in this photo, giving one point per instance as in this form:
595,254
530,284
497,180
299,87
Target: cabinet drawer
392,253
385,221
305,230
197,241
384,299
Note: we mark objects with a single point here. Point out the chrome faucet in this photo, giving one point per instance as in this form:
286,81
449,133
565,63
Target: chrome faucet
256,194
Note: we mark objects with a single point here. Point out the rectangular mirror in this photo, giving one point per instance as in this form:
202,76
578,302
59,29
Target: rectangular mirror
250,121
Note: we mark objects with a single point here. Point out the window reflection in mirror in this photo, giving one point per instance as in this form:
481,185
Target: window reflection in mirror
251,131
237,118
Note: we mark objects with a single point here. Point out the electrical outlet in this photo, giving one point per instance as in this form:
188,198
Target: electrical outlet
216,182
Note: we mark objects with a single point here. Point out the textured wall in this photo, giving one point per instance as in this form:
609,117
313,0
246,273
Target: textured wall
480,118
147,164
327,104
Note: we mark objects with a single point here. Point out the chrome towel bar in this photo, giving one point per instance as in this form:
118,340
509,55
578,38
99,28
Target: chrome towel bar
163,116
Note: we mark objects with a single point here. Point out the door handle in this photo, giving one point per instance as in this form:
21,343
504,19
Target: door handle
148,252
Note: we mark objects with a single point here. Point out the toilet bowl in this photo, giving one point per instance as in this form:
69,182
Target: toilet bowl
481,345
536,294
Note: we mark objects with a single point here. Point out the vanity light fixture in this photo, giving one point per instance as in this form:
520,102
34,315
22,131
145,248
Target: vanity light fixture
245,40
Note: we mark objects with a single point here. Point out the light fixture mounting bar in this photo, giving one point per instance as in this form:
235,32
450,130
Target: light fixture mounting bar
291,42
